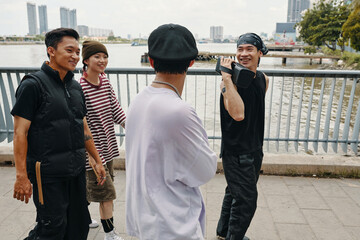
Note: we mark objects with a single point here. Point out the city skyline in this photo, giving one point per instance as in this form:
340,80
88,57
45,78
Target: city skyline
136,17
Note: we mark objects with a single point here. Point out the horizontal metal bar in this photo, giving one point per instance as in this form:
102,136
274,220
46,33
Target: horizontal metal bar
6,131
310,140
265,139
209,71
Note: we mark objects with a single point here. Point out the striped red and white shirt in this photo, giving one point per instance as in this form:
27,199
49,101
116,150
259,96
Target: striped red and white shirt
103,111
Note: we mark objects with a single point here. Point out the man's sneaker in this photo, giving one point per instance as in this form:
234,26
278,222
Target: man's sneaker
93,224
112,236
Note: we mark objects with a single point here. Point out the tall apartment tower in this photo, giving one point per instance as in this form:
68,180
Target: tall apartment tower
43,20
31,12
216,32
295,7
73,19
64,17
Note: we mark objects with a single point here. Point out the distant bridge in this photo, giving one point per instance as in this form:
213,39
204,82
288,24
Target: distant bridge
286,48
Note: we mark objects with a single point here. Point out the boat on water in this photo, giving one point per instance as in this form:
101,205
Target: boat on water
138,44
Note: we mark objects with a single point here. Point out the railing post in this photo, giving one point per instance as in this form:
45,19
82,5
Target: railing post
345,136
328,115
355,146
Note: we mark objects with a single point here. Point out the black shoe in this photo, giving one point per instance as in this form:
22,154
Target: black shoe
246,238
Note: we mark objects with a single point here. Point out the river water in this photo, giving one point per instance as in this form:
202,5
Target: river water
124,55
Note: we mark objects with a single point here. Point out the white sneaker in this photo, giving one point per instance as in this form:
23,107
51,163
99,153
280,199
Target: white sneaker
112,236
93,224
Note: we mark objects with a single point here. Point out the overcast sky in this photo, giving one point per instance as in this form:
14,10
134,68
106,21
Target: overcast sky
137,17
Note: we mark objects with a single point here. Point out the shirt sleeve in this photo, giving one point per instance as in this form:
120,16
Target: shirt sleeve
196,162
28,99
118,113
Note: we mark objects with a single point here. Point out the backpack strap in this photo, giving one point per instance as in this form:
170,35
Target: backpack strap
37,76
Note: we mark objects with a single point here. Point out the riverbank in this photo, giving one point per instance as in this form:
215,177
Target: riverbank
22,43
43,43
348,60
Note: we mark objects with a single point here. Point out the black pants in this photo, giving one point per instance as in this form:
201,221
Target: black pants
239,204
65,213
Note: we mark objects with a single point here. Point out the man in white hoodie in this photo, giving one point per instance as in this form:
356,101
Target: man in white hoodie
167,151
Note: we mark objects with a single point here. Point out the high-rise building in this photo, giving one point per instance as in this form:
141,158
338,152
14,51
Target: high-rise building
73,19
31,12
43,20
216,33
295,8
64,17
83,30
100,32
68,18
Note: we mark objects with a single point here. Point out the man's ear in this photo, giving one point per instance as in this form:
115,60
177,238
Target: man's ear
51,51
151,62
191,63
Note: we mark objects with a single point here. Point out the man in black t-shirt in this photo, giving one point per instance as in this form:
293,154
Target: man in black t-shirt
242,125
50,138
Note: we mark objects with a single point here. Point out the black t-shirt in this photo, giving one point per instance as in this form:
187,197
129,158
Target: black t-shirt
28,99
246,136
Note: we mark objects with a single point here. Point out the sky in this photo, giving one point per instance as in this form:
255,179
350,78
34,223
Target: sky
140,17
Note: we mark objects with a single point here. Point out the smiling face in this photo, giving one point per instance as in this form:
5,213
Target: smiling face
66,55
97,62
248,56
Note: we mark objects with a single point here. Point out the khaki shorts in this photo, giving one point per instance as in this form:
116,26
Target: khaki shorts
98,193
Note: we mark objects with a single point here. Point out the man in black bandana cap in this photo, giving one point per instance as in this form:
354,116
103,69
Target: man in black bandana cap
242,125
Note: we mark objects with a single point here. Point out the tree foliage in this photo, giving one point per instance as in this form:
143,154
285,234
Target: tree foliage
351,28
322,25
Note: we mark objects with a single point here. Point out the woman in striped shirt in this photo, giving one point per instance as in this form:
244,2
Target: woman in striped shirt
104,111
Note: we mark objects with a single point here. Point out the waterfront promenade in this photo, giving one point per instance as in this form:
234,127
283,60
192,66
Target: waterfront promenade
289,208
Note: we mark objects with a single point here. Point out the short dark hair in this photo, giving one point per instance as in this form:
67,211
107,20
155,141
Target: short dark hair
171,67
54,37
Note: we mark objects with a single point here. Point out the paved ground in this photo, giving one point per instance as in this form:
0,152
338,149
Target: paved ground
289,208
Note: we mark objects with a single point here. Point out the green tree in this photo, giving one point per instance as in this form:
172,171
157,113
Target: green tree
111,38
39,38
322,25
351,28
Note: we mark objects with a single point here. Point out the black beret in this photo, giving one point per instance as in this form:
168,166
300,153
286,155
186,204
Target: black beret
172,42
253,39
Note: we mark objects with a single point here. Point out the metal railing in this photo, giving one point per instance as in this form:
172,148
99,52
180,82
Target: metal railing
302,106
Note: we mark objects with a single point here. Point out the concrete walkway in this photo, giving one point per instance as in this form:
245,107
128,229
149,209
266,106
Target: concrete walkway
289,208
